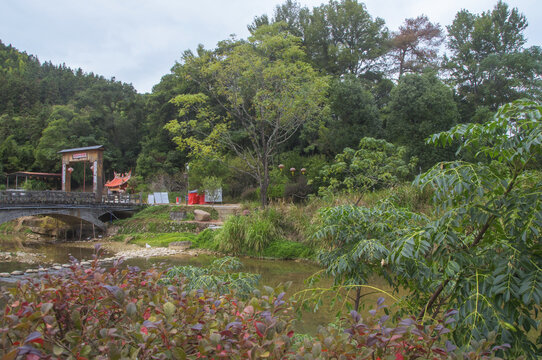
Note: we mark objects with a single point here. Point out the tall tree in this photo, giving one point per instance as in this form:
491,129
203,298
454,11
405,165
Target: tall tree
421,105
353,115
257,95
158,152
342,38
489,65
415,45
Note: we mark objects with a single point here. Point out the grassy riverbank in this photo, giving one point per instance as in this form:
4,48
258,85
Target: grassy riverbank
281,231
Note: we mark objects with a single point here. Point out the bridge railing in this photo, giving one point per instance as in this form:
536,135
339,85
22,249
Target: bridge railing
14,197
131,199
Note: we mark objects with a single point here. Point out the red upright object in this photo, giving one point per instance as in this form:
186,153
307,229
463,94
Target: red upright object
193,198
201,198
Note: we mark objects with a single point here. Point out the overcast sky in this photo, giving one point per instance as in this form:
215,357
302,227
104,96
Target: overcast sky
138,41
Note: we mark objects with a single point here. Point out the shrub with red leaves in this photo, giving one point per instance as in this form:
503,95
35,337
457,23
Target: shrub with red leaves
96,313
374,338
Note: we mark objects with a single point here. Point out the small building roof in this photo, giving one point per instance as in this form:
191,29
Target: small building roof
29,173
95,147
119,180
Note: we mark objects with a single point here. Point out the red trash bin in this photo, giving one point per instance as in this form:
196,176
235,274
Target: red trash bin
193,197
201,198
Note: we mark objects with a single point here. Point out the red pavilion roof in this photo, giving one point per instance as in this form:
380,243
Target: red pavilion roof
119,180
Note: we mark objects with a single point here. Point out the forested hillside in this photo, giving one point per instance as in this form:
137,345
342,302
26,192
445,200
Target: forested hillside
46,108
326,77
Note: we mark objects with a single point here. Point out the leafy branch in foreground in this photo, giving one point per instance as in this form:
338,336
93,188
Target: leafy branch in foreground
481,250
484,247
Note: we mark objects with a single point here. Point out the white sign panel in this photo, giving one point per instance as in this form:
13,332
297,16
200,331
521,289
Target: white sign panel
161,198
214,196
150,199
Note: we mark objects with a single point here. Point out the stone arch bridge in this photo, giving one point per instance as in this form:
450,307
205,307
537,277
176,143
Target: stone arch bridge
70,207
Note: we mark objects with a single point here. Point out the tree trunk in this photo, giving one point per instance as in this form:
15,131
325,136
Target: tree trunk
264,183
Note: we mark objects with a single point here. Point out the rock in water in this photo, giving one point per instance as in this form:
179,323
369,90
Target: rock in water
201,215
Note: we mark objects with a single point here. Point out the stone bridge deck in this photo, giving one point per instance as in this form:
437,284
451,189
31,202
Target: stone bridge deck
69,207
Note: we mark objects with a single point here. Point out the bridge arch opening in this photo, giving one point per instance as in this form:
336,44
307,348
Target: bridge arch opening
52,226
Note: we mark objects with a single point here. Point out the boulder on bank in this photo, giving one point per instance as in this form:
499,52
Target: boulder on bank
200,215
181,244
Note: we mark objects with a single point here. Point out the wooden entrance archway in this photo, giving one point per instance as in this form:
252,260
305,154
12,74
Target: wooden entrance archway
91,154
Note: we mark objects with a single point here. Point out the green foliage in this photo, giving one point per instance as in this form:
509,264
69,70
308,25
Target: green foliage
35,185
161,240
479,252
484,209
489,65
374,165
342,37
212,183
206,240
247,234
355,240
218,277
421,105
262,233
46,108
259,93
354,115
284,249
231,237
203,168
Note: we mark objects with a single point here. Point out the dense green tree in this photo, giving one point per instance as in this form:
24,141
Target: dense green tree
45,105
339,37
9,155
373,165
66,128
488,64
421,105
292,16
353,115
343,38
159,154
266,91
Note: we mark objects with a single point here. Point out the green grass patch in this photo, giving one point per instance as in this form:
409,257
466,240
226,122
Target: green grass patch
7,227
206,240
156,240
156,219
163,211
284,249
134,226
278,249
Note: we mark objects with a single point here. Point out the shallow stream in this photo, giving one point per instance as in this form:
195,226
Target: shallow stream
273,272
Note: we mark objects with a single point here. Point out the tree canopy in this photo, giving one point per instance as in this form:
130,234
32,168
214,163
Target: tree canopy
265,92
489,65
